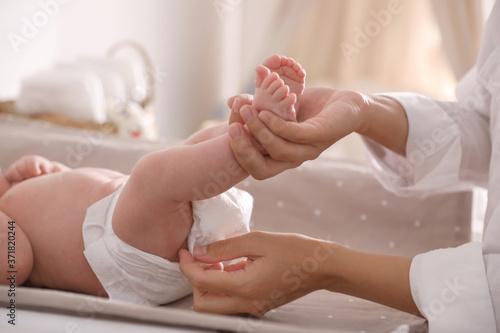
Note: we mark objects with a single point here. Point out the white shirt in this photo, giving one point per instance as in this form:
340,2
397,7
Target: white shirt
451,147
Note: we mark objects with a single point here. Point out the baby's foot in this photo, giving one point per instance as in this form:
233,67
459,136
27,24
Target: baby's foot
272,94
291,72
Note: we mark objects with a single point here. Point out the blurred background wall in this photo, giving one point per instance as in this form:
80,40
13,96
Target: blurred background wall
204,51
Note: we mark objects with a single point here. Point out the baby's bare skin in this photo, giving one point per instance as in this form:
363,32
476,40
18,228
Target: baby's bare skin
48,202
153,212
50,210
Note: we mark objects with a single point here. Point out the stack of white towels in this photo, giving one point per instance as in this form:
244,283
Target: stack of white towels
84,90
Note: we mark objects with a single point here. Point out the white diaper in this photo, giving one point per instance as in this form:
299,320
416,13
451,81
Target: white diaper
129,274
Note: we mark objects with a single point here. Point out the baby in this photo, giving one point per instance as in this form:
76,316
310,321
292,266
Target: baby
101,232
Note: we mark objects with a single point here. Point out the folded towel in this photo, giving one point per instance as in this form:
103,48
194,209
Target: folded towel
131,72
76,93
113,84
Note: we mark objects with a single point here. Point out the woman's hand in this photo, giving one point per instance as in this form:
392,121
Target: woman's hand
280,268
235,103
325,116
283,267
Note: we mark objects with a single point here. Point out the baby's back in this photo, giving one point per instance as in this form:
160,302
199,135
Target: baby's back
50,209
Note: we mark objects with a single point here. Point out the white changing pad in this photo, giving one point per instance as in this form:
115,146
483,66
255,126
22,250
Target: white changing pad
89,307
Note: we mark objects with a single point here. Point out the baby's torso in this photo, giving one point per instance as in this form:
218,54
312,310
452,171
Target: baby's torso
50,209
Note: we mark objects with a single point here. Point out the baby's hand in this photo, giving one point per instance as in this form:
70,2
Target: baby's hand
31,166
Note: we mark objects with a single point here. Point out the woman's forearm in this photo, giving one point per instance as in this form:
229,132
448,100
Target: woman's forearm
379,278
385,122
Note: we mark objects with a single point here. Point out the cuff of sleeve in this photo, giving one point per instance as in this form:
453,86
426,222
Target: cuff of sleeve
450,288
433,150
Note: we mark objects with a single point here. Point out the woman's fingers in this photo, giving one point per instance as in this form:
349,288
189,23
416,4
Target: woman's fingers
235,103
212,288
284,141
260,284
242,98
251,159
302,133
210,280
237,266
216,303
252,244
272,144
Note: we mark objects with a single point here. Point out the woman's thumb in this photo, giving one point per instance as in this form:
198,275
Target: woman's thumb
247,245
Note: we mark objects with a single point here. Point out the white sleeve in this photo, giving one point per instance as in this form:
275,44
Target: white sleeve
451,290
451,146
446,149
445,153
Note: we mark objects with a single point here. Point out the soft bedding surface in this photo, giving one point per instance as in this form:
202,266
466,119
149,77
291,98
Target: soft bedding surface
326,198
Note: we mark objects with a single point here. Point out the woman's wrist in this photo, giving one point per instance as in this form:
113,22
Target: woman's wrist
331,275
328,276
379,278
384,120
311,264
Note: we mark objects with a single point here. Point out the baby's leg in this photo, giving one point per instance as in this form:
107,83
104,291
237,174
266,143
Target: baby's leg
153,212
207,134
146,215
291,72
272,94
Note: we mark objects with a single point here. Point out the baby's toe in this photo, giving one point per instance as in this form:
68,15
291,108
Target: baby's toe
299,70
281,93
270,79
261,73
290,62
275,85
273,62
289,101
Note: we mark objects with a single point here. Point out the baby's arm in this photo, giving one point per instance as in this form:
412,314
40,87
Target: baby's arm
32,166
